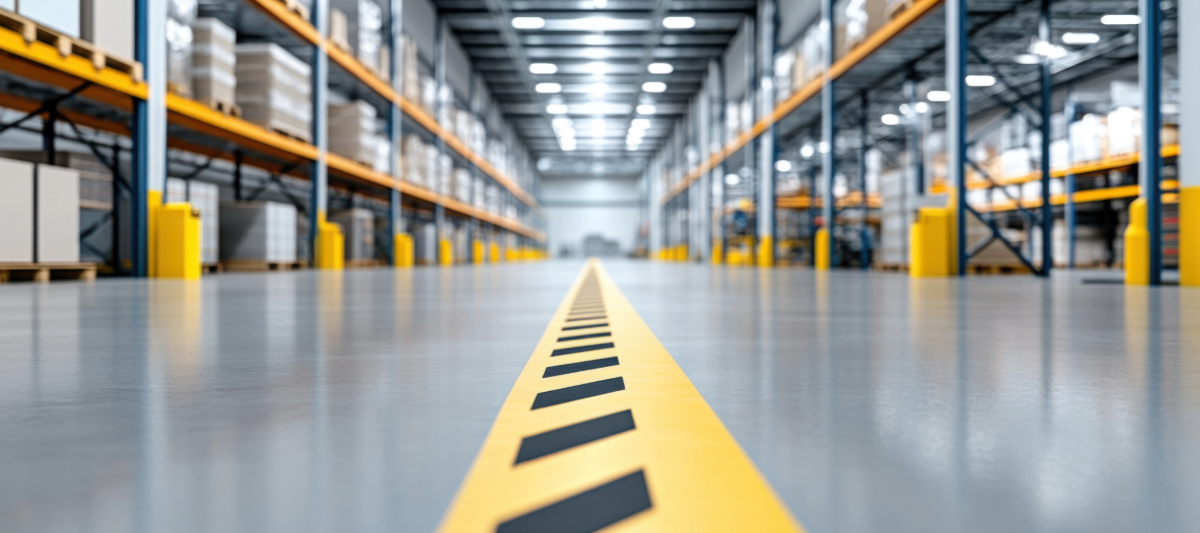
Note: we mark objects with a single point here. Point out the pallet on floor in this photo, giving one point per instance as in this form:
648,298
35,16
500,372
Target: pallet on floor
211,268
994,270
45,272
363,263
251,265
890,268
66,45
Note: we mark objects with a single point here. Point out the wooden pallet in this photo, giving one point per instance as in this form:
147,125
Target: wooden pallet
363,263
997,269
291,136
225,108
342,45
296,8
66,45
890,268
44,272
251,265
894,9
211,268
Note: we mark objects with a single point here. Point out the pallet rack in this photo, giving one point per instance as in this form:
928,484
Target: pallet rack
891,60
70,88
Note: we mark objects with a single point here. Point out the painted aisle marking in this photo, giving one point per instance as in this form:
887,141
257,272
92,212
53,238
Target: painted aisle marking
604,431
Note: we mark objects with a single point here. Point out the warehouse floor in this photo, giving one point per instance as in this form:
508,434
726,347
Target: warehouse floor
310,401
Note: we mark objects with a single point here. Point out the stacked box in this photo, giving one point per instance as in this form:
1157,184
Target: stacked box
95,179
383,155
478,137
363,29
358,227
429,91
462,185
410,76
108,24
894,223
1016,162
180,15
60,15
258,231
464,125
433,177
214,62
1124,131
352,131
493,199
445,174
16,211
814,52
273,89
57,215
860,18
205,198
478,193
1089,139
413,152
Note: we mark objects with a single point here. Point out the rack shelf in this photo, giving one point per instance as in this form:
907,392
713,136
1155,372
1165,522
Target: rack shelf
893,28
1084,169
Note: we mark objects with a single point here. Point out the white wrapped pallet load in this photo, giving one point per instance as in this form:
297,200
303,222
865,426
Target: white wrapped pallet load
462,185
814,50
428,94
478,137
273,89
411,76
358,227
463,122
1016,162
383,155
862,18
16,211
363,29
445,174
433,179
1089,139
478,192
108,24
413,156
1060,152
352,131
258,231
180,15
1124,132
214,64
492,199
58,15
57,219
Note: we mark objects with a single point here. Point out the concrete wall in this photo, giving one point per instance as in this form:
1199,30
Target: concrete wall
577,207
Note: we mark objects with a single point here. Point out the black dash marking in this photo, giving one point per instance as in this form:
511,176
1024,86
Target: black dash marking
588,511
581,349
588,336
590,326
577,392
599,307
562,370
585,318
560,439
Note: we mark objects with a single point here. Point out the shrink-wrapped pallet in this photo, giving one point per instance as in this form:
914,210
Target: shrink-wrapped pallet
358,229
433,176
478,192
258,231
413,157
352,131
1089,139
445,174
363,29
274,89
462,185
214,63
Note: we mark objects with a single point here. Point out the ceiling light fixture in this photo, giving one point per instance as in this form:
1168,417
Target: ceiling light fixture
561,122
654,87
600,4
1080,38
646,109
598,68
548,88
640,123
890,119
1027,59
922,107
807,151
528,23
783,165
661,68
1050,50
1120,20
543,68
598,88
938,96
732,180
679,23
980,81
557,109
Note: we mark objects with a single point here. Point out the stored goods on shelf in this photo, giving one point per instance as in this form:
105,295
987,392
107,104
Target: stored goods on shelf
273,89
478,137
108,24
814,51
383,154
180,16
411,75
432,174
358,226
492,201
95,179
16,211
363,29
428,99
258,231
352,131
462,185
413,154
860,19
425,244
445,170
214,64
1089,139
205,198
62,16
478,192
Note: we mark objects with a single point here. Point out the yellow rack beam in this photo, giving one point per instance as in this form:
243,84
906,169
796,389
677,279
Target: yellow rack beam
1106,165
42,62
889,31
352,65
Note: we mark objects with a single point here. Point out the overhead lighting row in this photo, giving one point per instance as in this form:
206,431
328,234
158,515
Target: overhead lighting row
537,23
637,131
599,68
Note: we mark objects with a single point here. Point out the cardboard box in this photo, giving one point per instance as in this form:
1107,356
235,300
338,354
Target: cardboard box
352,131
16,211
214,62
274,90
108,24
57,221
363,29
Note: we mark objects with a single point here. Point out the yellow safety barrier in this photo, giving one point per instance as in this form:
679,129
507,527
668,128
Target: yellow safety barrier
477,252
495,252
822,261
1189,236
445,252
154,203
931,241
331,254
718,251
402,246
766,252
510,254
177,241
1137,245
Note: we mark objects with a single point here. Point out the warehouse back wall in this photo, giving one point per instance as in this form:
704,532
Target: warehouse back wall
579,207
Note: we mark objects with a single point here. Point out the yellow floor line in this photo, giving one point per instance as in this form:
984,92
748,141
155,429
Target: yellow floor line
610,434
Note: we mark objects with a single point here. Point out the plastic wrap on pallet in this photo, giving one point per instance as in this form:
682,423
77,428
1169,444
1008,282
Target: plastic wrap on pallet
214,62
428,99
273,89
410,77
445,169
258,231
462,185
413,158
433,177
108,24
492,199
352,131
363,29
383,155
814,50
784,62
861,18
1089,139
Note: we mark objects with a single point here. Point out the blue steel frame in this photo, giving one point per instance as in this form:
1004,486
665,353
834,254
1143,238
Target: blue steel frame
394,122
140,178
1047,209
1150,44
319,77
956,120
864,145
829,130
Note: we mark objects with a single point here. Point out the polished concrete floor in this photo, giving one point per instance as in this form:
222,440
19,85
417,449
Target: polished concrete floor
311,401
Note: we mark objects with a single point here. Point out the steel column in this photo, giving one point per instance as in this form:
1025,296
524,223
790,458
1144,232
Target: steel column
829,129
915,153
765,63
318,197
395,122
1069,182
1150,65
149,129
864,137
1047,216
439,76
956,121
